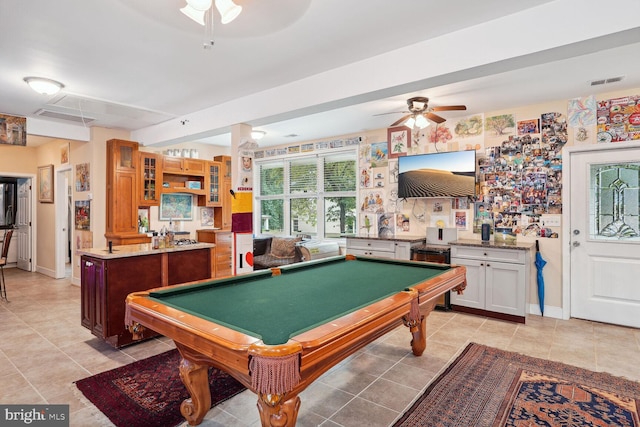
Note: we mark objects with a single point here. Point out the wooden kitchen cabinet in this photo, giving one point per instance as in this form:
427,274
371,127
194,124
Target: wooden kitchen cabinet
122,193
183,165
222,215
213,184
222,254
105,283
149,178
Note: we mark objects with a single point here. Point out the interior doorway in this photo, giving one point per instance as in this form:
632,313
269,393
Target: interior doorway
17,214
64,223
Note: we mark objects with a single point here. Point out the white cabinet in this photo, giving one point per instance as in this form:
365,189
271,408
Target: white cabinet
386,248
497,280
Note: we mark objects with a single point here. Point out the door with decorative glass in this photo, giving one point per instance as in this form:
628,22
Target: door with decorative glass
605,233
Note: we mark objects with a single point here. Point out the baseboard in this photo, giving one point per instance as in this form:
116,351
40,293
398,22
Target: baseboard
46,271
549,311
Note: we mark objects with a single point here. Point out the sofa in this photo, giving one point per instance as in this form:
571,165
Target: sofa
274,251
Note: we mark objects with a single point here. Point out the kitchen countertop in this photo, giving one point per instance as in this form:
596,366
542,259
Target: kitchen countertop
414,239
522,246
124,251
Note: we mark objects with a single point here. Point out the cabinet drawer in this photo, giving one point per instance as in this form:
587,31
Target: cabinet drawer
494,254
223,257
368,252
223,239
371,245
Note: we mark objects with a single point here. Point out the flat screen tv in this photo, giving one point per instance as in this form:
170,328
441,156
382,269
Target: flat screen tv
450,174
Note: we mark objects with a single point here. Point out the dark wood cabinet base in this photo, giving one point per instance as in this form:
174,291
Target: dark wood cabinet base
105,284
486,313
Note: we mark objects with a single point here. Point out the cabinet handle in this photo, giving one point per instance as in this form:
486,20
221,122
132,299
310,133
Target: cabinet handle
482,264
485,254
488,265
88,263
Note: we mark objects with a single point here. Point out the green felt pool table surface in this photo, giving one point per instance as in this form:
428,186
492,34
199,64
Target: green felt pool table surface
275,308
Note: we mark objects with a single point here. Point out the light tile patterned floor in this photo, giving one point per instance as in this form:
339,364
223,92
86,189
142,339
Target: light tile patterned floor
43,349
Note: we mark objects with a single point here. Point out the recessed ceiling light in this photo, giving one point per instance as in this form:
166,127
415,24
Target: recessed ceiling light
43,85
257,134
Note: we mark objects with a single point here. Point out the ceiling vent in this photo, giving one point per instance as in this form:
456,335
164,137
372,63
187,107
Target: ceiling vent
63,116
606,81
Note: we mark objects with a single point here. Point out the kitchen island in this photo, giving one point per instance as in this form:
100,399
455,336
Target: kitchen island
108,277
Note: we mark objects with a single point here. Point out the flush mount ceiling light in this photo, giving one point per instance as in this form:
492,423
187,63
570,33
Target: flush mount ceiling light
257,134
43,85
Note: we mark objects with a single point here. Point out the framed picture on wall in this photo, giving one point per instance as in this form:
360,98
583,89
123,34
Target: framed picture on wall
64,154
45,184
399,138
176,207
206,217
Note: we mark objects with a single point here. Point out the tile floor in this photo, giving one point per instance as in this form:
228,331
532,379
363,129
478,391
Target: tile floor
43,349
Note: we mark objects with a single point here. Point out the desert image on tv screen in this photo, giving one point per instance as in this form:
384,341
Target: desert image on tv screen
437,175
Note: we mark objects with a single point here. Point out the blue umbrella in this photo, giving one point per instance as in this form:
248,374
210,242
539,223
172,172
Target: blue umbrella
540,263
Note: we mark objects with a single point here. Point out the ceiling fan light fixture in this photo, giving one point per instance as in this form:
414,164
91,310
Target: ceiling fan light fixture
43,85
202,5
411,121
195,14
228,10
421,121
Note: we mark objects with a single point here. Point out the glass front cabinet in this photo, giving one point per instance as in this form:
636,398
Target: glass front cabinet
149,175
214,178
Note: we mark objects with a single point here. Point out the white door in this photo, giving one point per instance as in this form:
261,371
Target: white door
605,233
62,222
22,234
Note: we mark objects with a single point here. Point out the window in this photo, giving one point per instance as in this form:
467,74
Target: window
311,195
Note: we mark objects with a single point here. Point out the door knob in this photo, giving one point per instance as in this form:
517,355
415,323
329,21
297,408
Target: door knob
576,244
576,232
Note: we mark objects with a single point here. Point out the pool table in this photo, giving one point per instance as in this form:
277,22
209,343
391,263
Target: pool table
278,330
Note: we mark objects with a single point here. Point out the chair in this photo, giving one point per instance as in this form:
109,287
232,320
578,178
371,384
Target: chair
3,262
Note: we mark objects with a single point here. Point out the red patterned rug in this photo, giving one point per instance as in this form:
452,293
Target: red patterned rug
488,387
148,393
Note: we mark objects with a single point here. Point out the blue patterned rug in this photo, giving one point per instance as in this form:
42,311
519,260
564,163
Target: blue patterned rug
488,387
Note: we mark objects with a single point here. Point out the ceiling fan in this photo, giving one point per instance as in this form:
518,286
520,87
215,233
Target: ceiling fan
419,111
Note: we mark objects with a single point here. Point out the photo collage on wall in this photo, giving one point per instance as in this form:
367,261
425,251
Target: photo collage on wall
619,119
521,179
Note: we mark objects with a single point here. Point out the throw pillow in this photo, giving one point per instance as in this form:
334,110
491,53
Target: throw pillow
284,247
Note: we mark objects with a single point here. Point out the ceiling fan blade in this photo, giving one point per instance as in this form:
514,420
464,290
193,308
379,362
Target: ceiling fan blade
402,120
391,112
435,118
449,108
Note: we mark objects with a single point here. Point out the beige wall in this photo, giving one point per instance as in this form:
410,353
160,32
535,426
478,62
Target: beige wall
16,159
551,249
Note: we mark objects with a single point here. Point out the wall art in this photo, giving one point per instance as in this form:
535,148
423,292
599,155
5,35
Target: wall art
13,130
45,184
399,139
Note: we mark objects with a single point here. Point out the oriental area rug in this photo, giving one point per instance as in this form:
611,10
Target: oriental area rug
148,393
488,387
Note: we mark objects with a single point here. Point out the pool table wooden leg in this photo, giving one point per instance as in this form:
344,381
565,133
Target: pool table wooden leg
196,379
419,329
275,413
